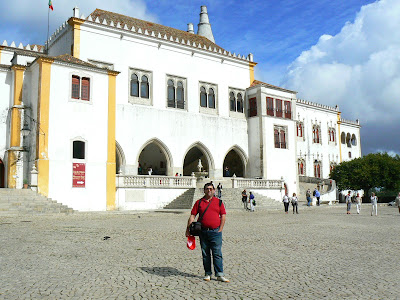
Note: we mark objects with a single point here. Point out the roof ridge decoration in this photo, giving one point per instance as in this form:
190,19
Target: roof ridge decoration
356,122
159,31
318,105
28,47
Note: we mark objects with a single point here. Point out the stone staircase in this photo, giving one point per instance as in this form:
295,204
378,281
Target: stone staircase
232,198
26,201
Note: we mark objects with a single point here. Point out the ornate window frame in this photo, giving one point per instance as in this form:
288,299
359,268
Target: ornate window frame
281,141
209,89
176,80
139,99
235,113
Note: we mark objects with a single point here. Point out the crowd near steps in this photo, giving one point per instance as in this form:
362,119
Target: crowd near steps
26,201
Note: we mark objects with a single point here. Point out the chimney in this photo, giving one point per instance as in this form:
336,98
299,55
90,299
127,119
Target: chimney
204,27
190,28
76,12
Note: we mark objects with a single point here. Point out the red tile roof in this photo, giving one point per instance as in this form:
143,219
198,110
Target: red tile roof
149,26
267,85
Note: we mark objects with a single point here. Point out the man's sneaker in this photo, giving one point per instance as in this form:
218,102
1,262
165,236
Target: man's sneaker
207,278
222,278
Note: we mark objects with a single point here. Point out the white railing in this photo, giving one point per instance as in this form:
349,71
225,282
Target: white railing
150,181
257,183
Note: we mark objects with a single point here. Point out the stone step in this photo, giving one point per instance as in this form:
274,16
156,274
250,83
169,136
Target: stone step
14,201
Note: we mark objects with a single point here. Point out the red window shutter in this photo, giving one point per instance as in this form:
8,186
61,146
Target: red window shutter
301,130
283,139
270,106
288,110
75,87
276,138
85,88
253,107
278,108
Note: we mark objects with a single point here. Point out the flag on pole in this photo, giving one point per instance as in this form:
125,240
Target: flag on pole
51,5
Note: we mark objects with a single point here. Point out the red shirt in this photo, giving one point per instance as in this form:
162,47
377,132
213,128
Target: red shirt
212,217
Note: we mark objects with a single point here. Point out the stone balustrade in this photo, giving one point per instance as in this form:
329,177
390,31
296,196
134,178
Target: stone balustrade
257,183
150,181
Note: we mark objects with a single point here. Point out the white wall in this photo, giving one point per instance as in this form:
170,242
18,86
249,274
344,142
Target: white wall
355,150
70,119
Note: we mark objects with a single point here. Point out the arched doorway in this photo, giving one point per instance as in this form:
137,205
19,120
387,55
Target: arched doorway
154,157
192,160
2,172
233,164
119,159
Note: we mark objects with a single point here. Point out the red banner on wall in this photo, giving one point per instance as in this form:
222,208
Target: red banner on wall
78,175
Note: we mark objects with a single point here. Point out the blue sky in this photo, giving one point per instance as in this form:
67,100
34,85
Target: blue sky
343,52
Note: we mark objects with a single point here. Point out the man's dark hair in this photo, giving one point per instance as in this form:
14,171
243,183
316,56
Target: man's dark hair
209,184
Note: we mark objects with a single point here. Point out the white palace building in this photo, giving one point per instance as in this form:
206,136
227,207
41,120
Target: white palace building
114,98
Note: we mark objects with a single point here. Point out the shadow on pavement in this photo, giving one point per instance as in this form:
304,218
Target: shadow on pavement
167,271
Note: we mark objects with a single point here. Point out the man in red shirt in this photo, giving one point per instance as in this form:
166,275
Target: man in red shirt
212,223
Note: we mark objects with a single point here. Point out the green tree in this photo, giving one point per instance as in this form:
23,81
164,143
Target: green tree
375,170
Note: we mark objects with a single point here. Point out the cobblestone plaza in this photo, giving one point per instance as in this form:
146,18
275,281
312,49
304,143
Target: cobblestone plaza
319,253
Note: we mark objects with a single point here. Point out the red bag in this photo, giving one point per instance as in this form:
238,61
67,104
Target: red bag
191,242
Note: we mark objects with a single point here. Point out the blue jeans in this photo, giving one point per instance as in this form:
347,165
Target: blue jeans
308,201
211,241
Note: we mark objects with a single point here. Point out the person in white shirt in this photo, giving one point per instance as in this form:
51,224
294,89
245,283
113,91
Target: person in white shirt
348,202
374,202
398,202
358,203
285,201
295,203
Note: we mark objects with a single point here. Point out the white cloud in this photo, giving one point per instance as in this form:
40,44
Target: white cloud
358,69
26,21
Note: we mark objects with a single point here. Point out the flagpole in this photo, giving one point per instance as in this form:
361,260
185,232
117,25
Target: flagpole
48,26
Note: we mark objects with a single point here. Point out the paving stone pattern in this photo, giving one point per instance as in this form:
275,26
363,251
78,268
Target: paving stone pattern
319,253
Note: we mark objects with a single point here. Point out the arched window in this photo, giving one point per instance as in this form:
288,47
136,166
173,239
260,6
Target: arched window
203,97
299,129
180,95
239,103
144,87
300,165
232,101
171,93
343,138
317,169
211,98
353,140
348,138
316,134
134,85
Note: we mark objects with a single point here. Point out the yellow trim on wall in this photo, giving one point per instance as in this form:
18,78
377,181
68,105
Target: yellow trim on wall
111,164
251,67
15,138
42,137
340,135
76,36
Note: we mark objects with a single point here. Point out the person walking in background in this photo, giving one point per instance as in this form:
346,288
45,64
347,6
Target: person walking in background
308,196
348,202
358,203
219,189
285,201
244,199
252,202
398,202
374,203
317,195
295,203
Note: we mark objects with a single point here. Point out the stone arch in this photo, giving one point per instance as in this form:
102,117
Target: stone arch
120,161
230,161
190,163
159,168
